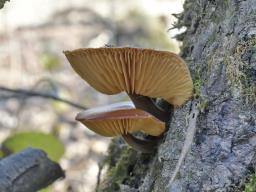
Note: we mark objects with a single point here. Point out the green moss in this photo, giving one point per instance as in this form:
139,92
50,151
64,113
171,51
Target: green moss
125,166
1,154
198,82
119,172
251,185
197,87
48,189
47,142
226,2
240,74
203,105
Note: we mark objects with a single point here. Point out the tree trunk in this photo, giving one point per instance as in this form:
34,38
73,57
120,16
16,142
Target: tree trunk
219,46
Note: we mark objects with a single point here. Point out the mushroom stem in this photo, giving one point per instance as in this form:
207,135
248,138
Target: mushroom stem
145,146
149,105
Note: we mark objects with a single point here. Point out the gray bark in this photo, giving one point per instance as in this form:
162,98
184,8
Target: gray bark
219,46
28,171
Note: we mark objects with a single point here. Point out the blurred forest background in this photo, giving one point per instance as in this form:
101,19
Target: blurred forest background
33,34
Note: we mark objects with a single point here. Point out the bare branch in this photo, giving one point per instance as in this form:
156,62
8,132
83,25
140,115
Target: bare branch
28,171
100,166
29,93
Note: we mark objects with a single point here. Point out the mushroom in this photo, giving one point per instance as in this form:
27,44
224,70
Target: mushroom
123,119
145,75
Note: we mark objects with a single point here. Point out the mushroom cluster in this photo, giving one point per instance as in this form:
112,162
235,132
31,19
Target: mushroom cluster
147,76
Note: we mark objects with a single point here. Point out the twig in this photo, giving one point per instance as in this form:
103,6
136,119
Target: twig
188,140
29,93
100,165
28,171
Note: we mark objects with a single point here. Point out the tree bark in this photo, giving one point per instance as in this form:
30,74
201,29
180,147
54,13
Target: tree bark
28,171
219,45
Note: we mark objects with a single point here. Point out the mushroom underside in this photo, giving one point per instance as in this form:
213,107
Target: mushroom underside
144,74
122,120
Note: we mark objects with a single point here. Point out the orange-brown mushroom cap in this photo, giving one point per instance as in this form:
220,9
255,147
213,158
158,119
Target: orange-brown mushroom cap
156,74
120,119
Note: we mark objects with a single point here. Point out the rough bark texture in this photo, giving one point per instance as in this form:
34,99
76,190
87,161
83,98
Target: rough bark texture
219,46
28,171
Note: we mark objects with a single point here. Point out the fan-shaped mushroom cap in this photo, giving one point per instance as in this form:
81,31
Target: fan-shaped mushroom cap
120,119
157,74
